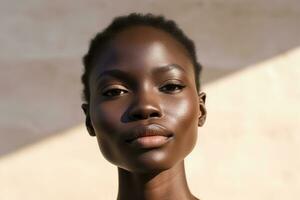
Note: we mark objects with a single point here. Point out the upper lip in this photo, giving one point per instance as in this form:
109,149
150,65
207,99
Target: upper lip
147,130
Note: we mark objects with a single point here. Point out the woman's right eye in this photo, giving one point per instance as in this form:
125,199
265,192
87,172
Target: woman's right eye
114,92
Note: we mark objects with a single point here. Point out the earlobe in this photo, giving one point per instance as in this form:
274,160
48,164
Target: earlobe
89,126
84,107
88,122
203,112
202,97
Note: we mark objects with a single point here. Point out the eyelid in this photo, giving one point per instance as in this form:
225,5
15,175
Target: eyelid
111,87
172,81
108,87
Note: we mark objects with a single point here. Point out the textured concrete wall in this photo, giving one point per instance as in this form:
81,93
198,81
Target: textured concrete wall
249,148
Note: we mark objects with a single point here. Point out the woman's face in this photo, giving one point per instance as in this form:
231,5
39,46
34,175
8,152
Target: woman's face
144,106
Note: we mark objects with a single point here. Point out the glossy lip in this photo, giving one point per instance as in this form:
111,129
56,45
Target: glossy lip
150,142
148,136
147,130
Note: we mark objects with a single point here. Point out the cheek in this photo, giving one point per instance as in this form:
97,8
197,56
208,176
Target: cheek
183,117
182,112
106,117
106,120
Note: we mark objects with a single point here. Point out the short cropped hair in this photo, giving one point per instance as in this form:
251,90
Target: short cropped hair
100,41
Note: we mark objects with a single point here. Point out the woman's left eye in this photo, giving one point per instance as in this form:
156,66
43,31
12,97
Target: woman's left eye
172,88
114,92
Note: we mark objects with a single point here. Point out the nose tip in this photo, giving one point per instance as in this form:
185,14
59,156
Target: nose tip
145,104
141,112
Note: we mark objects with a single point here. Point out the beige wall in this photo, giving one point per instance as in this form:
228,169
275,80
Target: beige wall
249,147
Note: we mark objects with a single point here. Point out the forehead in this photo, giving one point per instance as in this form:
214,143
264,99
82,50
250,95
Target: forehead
141,48
140,40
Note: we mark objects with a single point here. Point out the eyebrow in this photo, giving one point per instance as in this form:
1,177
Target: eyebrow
124,75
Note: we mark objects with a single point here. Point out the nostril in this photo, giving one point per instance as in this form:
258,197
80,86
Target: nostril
141,112
155,114
139,116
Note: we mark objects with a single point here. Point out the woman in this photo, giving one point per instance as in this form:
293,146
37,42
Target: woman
143,103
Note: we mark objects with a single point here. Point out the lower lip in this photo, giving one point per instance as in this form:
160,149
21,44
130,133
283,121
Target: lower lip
150,141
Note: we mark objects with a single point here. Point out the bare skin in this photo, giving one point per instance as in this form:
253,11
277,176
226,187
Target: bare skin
156,87
169,184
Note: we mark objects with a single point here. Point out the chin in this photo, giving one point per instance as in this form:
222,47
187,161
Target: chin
151,161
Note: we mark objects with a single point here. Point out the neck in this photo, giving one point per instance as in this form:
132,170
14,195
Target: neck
167,185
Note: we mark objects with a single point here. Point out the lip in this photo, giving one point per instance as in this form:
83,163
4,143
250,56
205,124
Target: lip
149,136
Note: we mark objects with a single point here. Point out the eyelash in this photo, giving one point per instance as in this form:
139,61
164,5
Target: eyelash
173,85
180,87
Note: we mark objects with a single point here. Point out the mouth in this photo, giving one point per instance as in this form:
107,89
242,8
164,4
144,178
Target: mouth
150,136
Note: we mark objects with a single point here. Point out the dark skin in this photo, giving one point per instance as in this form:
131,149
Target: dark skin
143,95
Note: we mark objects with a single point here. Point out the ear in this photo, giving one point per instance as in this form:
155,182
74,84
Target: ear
88,123
203,113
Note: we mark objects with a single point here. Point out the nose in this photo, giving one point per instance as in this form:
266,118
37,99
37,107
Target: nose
145,105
